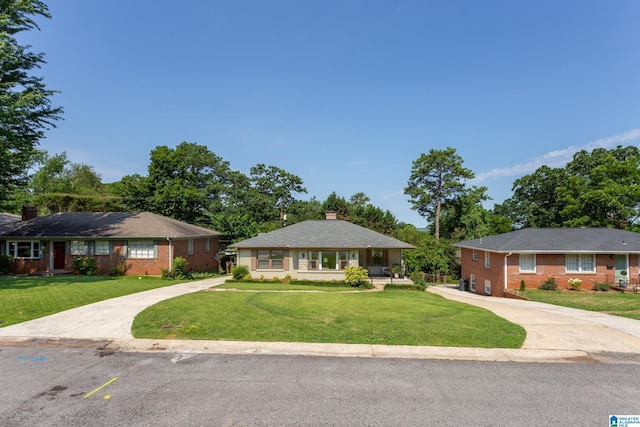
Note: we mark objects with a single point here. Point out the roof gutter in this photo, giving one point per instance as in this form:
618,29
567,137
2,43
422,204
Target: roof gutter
506,281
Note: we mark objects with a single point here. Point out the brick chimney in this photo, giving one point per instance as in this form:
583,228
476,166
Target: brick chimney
29,212
331,215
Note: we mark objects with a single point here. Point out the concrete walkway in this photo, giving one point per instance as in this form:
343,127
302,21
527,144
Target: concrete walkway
554,334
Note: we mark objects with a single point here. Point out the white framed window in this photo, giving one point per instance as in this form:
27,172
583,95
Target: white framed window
78,247
207,245
142,249
328,260
472,282
527,263
474,255
487,286
190,247
103,247
487,259
580,263
24,249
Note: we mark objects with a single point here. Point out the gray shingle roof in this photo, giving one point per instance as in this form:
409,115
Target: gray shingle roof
330,234
559,240
125,225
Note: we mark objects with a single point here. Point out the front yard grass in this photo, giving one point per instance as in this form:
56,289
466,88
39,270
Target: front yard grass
612,302
25,298
393,318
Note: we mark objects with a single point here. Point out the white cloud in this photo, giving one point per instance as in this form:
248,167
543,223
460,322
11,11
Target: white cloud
557,158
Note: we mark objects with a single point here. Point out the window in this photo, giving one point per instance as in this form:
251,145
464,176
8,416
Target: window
487,287
313,260
527,263
144,249
103,247
487,259
343,259
271,259
78,247
580,263
474,255
207,245
190,247
472,282
28,249
329,260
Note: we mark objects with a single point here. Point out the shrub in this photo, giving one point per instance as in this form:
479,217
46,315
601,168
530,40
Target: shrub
180,267
199,275
522,286
5,264
601,286
287,279
85,265
356,276
275,279
575,284
417,277
404,287
118,270
551,284
239,272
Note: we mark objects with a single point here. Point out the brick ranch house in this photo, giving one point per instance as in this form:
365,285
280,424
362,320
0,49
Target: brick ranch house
319,250
493,264
144,243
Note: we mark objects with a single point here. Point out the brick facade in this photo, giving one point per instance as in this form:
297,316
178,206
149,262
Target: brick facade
546,265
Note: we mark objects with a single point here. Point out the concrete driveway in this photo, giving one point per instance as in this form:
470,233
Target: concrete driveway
554,334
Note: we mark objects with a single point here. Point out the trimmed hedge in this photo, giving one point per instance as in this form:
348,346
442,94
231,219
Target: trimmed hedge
404,287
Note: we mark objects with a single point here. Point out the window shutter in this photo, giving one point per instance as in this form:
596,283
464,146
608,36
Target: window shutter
254,259
125,248
67,247
385,256
110,247
155,249
91,247
285,262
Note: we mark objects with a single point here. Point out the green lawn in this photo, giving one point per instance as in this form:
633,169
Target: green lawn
27,298
393,317
612,302
275,286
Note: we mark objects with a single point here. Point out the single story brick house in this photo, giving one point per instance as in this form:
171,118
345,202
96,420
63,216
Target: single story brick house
493,264
319,250
143,242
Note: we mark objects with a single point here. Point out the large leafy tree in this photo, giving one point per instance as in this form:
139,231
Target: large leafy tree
274,190
436,179
187,183
603,189
25,102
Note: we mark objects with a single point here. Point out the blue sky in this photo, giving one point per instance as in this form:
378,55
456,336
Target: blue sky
345,94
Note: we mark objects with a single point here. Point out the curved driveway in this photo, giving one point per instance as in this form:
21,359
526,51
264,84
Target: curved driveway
554,334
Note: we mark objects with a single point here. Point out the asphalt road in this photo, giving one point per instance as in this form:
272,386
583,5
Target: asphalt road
83,386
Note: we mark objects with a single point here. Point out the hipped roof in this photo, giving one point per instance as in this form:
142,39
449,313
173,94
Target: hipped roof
559,240
122,225
329,234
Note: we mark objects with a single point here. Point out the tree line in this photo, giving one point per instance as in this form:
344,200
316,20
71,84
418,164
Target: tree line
190,183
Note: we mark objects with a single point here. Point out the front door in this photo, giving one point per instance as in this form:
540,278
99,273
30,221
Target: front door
58,255
621,268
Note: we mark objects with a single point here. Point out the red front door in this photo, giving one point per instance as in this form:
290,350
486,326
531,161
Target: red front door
58,255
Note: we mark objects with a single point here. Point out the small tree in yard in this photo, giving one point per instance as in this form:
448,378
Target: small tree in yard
356,276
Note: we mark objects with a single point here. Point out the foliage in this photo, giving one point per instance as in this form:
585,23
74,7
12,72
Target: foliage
25,102
199,275
601,286
430,256
575,284
5,264
404,287
396,269
549,284
356,275
239,272
180,266
85,265
523,286
436,180
417,277
118,270
596,189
